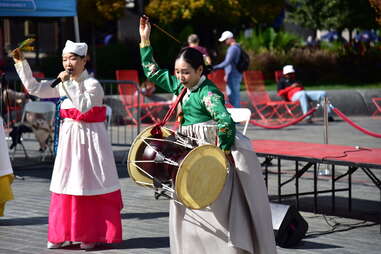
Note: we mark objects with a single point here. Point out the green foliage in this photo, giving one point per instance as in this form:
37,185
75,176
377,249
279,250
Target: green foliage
98,12
307,13
322,65
332,14
376,5
244,12
269,40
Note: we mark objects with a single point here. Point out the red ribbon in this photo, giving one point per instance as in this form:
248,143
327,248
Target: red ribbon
156,130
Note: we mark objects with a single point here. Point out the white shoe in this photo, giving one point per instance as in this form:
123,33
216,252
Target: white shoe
51,245
87,246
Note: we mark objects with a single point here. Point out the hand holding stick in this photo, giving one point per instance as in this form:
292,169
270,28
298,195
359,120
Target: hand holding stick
17,54
144,28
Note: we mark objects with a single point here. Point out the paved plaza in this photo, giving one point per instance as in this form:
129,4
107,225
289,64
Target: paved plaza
23,229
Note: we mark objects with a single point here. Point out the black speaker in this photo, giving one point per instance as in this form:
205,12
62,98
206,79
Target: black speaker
289,226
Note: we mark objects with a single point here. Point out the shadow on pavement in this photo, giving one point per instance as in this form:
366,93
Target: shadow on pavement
24,221
143,243
145,216
361,209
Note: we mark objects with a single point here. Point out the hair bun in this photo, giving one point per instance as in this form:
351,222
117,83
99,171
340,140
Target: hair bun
208,69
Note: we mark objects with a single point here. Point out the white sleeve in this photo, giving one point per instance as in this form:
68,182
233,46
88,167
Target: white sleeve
40,89
86,95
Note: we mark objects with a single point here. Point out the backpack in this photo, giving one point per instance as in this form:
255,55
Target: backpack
243,61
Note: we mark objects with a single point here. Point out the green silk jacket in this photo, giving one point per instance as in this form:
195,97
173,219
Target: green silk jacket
204,103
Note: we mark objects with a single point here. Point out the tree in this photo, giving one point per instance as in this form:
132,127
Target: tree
376,5
95,13
215,12
309,14
98,12
208,18
331,14
346,14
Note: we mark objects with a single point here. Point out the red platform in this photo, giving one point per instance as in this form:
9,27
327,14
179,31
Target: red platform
312,154
341,155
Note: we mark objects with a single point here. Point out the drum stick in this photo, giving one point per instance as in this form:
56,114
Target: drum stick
161,29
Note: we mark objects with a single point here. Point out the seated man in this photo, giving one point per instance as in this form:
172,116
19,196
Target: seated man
36,123
292,90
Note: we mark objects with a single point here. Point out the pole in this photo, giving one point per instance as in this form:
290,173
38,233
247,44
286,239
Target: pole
325,117
76,29
325,171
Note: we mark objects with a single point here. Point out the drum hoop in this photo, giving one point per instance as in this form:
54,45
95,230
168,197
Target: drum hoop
132,168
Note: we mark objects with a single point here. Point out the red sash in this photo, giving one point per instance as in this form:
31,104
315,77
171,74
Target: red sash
94,115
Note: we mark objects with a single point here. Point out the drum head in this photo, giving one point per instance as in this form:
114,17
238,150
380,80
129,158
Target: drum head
135,173
201,176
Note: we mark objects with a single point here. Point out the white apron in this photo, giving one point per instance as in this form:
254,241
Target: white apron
5,163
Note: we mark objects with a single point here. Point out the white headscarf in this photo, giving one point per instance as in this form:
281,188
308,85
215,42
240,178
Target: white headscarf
79,48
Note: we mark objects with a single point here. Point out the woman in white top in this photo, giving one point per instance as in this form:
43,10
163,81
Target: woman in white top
86,199
6,173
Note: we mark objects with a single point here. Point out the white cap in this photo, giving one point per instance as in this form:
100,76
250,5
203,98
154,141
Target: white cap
79,48
226,35
288,69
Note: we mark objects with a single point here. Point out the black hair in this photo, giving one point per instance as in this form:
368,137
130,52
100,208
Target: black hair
77,55
194,58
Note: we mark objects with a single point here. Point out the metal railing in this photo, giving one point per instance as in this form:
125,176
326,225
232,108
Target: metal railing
122,130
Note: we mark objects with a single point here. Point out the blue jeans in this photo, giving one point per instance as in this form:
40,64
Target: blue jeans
234,85
304,96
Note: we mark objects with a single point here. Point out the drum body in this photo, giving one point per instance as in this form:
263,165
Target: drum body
197,173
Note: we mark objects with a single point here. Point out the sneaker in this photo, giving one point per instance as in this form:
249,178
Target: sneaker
87,246
51,245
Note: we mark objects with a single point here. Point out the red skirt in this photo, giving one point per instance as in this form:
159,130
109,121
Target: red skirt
85,218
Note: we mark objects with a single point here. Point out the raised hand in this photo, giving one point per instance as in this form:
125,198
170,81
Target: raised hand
17,55
144,28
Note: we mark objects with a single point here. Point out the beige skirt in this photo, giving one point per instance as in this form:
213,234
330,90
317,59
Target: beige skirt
239,221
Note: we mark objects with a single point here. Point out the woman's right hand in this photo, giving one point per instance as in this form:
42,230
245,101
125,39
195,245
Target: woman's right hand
64,75
144,28
17,55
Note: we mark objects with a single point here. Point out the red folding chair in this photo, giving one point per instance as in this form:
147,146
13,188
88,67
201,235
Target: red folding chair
129,96
278,74
217,77
377,103
38,74
265,108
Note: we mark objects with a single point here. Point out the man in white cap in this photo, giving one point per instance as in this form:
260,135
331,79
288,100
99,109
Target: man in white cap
232,76
292,90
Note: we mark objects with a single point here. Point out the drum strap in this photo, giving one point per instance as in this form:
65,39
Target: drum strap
156,130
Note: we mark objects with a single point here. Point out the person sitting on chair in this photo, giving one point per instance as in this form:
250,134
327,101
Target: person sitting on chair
292,90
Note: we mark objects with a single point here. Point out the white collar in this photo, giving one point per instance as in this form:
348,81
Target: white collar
194,88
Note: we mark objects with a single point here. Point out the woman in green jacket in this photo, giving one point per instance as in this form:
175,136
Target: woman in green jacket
239,221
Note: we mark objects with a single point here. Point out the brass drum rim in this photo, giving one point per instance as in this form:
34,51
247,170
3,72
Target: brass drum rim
134,172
